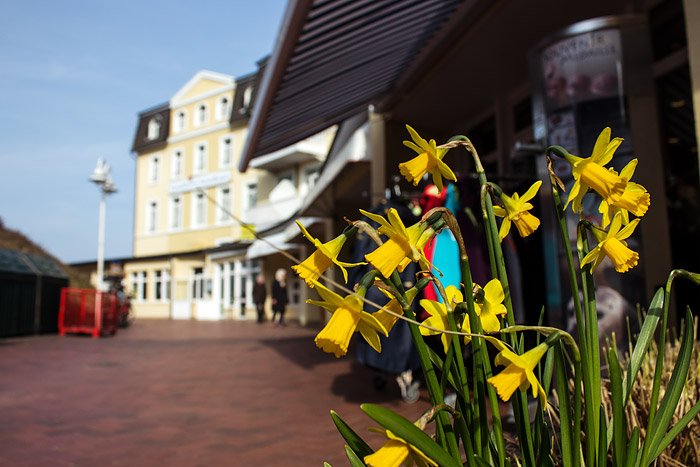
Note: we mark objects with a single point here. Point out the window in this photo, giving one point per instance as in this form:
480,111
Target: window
251,198
200,158
176,163
225,151
158,285
199,210
223,108
152,217
224,204
202,114
154,168
153,130
176,212
180,122
166,284
309,180
247,97
138,285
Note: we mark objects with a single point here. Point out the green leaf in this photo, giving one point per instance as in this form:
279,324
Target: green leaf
356,443
674,387
566,429
602,442
326,464
355,461
676,429
481,462
646,335
410,433
618,422
633,448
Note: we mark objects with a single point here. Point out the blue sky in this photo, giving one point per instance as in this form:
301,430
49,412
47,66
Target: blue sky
74,75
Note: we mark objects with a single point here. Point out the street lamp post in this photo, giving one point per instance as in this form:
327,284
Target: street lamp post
102,177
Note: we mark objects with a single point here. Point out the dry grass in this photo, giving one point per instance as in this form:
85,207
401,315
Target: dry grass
684,450
16,241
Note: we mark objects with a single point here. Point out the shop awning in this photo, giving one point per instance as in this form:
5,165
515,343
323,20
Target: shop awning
335,57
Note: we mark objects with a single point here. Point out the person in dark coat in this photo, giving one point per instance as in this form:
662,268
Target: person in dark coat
259,296
279,296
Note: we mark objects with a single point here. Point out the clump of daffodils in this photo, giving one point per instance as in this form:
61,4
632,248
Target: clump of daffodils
469,317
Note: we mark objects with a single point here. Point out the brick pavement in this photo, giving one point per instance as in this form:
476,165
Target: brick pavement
181,393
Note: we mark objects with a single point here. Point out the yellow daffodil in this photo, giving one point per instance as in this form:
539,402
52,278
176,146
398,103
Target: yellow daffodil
404,244
348,316
325,256
395,452
635,199
491,306
518,372
388,320
439,319
517,210
612,244
591,173
429,159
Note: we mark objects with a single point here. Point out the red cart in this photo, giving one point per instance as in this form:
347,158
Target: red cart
87,311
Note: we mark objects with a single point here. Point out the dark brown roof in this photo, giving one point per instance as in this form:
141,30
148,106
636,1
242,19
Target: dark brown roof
141,140
332,59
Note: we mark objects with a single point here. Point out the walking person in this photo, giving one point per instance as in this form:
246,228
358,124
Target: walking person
279,296
259,296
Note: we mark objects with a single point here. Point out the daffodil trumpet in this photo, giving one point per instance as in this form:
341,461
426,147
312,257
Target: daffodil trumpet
325,256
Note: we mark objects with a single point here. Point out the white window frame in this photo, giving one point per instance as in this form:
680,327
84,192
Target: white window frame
246,194
222,216
154,128
154,169
223,111
222,151
195,210
247,97
177,165
196,157
152,216
180,124
285,175
139,289
175,215
198,120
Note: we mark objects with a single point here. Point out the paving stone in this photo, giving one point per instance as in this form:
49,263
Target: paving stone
183,393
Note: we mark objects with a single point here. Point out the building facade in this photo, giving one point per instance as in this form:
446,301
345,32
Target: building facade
196,217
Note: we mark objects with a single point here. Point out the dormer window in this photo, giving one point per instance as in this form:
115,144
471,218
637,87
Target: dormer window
202,115
247,98
153,131
180,122
223,108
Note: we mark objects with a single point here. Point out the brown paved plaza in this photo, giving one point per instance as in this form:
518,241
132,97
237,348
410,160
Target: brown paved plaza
183,393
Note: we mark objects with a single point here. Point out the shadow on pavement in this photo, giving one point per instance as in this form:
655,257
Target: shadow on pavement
299,350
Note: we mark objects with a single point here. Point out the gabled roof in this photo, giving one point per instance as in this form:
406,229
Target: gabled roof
335,57
141,140
203,75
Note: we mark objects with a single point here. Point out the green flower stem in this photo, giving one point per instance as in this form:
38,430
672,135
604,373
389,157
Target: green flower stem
436,396
591,317
485,362
498,265
468,285
653,406
585,372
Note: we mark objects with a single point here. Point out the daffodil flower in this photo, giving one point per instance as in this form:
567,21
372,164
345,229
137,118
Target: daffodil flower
517,211
518,372
387,319
591,173
404,244
612,244
635,199
439,319
347,317
491,306
325,256
396,451
429,159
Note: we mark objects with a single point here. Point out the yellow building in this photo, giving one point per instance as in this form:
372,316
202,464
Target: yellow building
192,258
